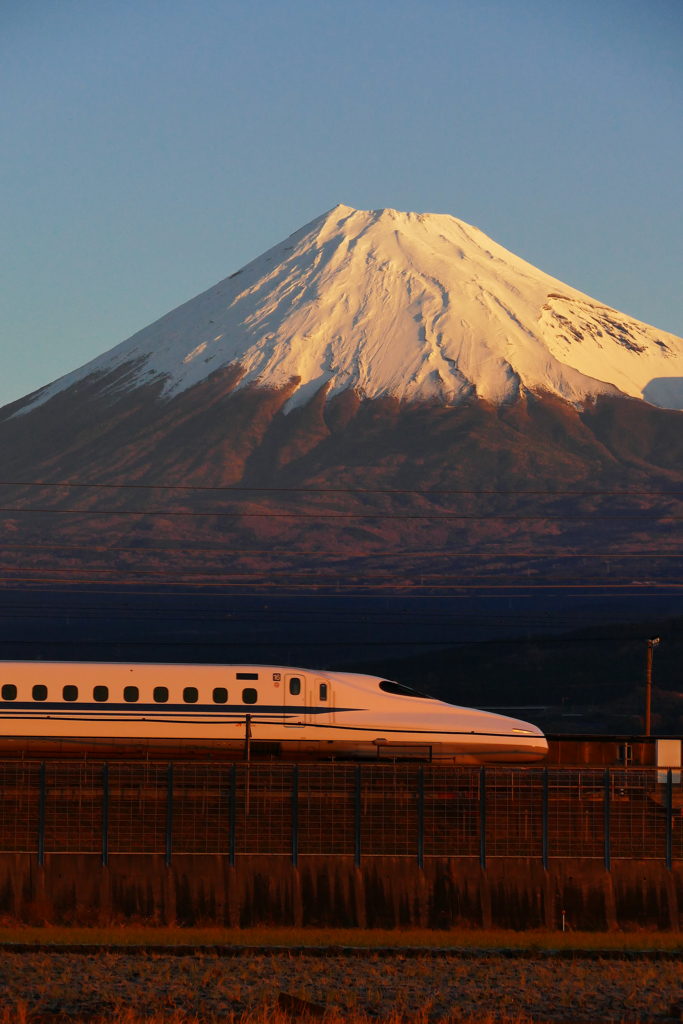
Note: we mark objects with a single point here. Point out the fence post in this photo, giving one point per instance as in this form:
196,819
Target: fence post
105,813
233,799
669,816
482,817
169,814
247,738
41,816
607,835
545,819
357,809
421,817
295,815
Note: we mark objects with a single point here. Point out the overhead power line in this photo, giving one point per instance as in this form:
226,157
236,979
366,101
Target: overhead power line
117,588
326,490
333,584
415,619
604,555
330,575
287,643
320,516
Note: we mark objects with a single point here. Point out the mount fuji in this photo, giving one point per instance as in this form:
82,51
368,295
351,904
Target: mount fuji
414,307
446,397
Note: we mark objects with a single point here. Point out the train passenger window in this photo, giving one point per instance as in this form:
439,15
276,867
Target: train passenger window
220,695
323,691
295,686
70,693
249,695
160,694
100,693
39,692
190,695
9,691
131,694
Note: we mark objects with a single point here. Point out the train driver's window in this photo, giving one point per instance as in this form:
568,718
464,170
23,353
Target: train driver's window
100,693
295,686
323,691
70,693
9,691
389,686
190,695
160,694
220,695
249,695
131,694
39,692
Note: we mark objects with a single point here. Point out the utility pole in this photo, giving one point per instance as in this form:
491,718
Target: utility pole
648,683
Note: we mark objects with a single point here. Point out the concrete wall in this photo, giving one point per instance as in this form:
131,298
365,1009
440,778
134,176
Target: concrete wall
386,892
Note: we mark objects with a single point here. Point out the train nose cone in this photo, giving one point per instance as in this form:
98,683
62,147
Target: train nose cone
530,738
526,737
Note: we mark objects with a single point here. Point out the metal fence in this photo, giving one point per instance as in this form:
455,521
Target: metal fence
364,810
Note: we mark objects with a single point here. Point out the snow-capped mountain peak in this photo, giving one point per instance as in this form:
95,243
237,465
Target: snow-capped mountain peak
416,306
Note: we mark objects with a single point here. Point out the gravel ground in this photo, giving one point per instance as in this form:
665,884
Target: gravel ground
210,986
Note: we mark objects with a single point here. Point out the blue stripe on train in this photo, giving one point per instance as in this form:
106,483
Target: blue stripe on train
137,708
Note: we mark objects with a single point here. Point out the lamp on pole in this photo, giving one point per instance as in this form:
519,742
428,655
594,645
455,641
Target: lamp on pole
648,683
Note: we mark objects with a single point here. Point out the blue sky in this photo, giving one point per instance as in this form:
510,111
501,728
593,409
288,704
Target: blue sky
150,148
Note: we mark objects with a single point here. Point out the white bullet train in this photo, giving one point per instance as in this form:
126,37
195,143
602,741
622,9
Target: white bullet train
247,710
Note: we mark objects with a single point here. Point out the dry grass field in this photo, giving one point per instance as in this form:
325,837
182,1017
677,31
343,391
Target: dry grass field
146,987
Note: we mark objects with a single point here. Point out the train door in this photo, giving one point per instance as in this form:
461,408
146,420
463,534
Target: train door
295,700
321,698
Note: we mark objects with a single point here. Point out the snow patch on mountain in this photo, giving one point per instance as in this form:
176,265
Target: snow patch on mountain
416,306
